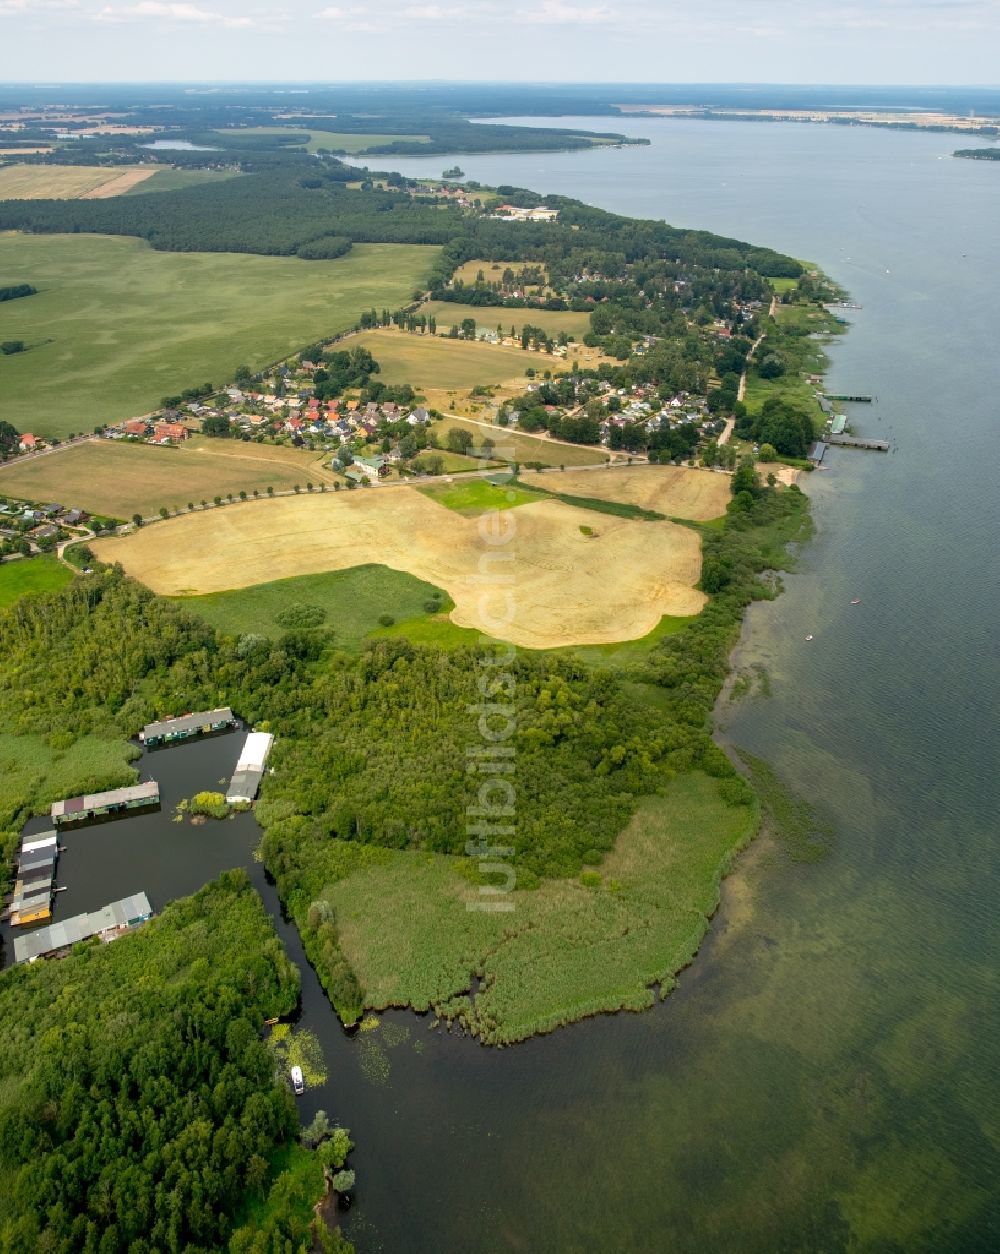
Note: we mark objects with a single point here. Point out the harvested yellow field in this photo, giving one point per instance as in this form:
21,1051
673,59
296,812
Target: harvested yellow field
560,586
60,182
118,479
677,491
120,185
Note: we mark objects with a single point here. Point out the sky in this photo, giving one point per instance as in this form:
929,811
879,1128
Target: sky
802,41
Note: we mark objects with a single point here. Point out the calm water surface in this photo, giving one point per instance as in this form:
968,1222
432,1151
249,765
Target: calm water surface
825,1077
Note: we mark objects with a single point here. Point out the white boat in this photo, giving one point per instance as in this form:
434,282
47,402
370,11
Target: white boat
298,1084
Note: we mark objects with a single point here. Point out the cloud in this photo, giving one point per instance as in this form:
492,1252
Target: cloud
171,12
432,12
355,20
561,13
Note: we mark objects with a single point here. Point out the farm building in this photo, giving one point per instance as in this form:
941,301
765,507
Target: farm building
109,923
168,730
250,768
115,804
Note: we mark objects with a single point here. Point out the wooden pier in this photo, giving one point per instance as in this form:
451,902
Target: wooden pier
854,441
857,400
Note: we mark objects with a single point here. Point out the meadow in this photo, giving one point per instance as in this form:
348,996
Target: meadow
37,574
576,583
352,602
468,272
116,326
489,317
168,179
514,446
566,950
476,496
434,361
335,141
118,479
58,182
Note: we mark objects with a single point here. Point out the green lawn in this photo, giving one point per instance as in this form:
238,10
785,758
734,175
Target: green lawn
488,318
36,574
477,496
116,326
352,600
170,180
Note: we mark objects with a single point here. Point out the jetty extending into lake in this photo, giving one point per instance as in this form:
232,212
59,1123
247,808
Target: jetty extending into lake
857,441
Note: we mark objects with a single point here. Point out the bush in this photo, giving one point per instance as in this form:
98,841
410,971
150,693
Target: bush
300,615
211,803
385,620
343,1181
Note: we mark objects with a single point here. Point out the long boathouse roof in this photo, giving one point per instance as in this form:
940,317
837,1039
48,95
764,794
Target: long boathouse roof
133,794
45,940
187,723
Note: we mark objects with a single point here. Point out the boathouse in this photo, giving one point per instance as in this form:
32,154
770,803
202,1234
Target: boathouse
116,804
169,730
34,880
249,771
817,452
109,922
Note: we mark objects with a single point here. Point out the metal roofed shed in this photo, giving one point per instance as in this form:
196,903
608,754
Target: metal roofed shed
168,730
249,771
44,840
838,425
817,452
116,803
110,921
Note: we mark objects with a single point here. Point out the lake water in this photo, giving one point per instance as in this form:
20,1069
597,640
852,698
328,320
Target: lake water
825,1076
178,145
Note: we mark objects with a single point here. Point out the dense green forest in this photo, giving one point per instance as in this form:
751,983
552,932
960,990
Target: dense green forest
978,154
139,1109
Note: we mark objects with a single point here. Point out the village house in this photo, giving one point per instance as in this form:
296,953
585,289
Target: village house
28,443
136,426
168,432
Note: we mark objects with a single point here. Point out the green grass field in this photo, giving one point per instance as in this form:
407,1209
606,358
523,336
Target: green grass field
477,496
353,601
115,326
336,141
566,950
36,574
516,447
488,318
170,180
433,361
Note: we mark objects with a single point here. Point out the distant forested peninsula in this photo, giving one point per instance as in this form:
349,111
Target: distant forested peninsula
978,154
